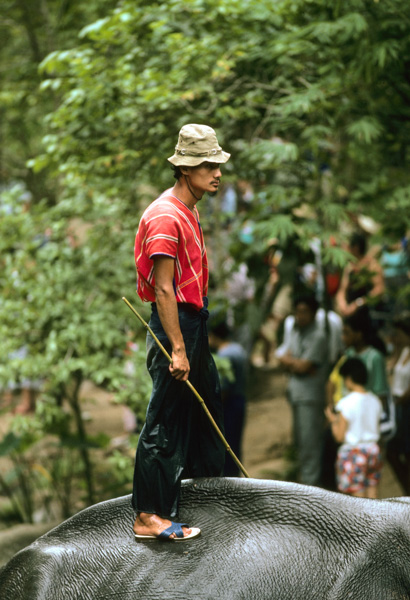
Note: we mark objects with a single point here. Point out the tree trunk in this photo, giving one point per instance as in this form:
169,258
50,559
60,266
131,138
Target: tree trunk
82,436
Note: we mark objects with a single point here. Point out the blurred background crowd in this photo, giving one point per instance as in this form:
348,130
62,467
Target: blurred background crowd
311,319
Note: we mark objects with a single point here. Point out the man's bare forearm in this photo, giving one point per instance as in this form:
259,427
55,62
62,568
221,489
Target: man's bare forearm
168,313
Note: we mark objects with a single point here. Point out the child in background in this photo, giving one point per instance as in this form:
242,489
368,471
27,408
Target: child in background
356,425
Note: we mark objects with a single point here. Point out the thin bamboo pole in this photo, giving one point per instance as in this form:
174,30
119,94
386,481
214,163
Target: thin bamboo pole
191,387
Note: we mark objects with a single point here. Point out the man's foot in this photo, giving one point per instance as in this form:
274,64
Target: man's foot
152,525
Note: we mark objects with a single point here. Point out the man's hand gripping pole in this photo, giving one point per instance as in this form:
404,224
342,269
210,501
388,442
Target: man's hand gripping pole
191,387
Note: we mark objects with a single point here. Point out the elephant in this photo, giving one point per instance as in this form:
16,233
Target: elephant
260,540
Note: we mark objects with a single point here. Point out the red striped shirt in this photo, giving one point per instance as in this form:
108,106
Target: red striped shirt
169,228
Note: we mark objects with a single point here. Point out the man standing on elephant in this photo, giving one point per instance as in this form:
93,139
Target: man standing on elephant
177,440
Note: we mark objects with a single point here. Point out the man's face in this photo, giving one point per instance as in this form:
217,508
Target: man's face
349,337
304,315
355,250
205,177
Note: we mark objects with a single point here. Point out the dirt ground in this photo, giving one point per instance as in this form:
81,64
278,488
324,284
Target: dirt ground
266,442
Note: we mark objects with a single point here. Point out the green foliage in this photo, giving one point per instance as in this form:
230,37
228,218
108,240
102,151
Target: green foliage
29,31
45,474
121,470
62,299
290,87
134,391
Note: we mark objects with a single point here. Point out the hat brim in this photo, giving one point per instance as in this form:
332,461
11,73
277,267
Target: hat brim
179,160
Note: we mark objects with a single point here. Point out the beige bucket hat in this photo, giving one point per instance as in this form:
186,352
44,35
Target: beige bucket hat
197,144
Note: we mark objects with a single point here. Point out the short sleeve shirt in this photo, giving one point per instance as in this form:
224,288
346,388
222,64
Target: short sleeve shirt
308,344
169,228
362,413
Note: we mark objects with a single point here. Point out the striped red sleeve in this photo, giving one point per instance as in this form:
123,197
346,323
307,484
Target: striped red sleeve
162,235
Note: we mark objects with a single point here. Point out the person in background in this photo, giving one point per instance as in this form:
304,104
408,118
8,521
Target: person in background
305,359
362,280
395,262
233,391
283,284
356,426
360,341
276,303
239,291
330,323
398,448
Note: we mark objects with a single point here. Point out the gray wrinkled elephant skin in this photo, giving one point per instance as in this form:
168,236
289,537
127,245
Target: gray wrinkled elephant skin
261,540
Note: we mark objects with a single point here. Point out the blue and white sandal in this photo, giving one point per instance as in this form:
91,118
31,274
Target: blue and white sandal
173,528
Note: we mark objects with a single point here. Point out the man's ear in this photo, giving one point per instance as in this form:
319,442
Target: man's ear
184,170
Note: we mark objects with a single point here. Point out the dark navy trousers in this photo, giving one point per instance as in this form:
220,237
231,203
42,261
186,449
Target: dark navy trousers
178,440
